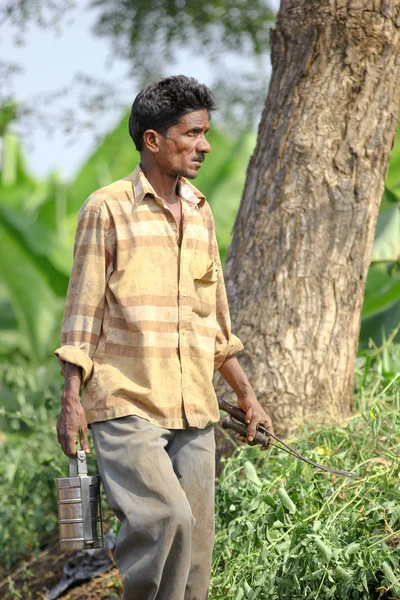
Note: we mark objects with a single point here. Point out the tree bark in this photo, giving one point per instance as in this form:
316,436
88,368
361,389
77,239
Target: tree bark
303,237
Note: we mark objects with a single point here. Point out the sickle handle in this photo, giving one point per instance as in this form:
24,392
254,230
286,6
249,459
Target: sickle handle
236,412
260,438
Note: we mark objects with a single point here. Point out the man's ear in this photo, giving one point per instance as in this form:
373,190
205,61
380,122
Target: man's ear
151,140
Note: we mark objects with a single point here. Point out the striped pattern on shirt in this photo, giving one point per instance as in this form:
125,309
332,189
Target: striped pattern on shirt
147,319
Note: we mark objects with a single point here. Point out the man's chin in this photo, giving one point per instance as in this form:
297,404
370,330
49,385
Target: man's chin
191,173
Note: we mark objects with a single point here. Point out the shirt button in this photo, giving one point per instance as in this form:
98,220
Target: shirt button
184,294
173,226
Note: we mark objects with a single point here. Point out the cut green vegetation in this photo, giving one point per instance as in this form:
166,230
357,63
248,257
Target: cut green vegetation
287,531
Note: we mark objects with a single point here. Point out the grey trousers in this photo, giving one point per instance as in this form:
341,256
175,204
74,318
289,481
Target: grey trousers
160,484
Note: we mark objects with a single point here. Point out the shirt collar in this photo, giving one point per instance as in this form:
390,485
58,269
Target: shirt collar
142,187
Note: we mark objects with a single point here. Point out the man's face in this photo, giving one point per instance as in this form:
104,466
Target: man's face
181,151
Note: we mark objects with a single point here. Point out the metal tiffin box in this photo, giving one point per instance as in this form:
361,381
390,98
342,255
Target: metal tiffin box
79,507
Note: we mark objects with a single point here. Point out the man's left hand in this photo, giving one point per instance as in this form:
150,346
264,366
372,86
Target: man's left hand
255,415
234,375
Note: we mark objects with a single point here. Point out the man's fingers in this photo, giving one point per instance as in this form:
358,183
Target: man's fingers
251,421
71,447
84,441
252,428
268,425
68,440
249,415
71,427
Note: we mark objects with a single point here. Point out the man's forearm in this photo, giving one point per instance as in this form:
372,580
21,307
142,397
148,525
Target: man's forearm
234,375
72,383
72,423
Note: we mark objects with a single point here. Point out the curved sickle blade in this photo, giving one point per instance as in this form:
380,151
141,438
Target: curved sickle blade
262,435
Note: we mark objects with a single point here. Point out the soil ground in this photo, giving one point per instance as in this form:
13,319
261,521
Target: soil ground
33,578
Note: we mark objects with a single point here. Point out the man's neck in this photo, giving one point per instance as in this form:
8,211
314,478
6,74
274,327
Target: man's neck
164,185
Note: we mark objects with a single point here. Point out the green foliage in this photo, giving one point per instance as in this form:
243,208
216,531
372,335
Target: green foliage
28,515
30,459
46,13
393,175
35,305
35,256
29,394
381,309
13,171
287,531
232,36
8,113
387,232
172,24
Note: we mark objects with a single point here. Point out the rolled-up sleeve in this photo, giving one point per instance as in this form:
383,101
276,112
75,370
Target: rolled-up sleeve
85,301
226,343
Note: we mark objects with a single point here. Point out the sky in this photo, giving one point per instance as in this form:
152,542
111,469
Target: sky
50,59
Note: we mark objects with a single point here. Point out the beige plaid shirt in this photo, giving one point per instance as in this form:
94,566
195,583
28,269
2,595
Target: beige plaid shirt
147,320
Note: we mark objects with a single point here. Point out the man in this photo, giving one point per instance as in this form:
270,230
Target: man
146,323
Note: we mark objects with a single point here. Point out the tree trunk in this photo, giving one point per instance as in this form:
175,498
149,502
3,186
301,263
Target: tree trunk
303,237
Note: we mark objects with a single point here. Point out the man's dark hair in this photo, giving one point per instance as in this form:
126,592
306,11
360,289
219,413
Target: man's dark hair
160,105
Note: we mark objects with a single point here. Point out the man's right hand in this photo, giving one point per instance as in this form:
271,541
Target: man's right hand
71,424
72,421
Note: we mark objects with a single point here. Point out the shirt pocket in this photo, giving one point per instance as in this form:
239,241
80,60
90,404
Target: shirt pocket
207,272
205,287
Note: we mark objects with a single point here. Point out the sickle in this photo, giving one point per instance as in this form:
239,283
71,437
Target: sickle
240,426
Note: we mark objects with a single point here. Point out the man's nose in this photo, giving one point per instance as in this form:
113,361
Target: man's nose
203,146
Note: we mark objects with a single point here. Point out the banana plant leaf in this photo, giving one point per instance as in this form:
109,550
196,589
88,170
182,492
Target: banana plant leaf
13,169
35,305
7,316
52,257
381,308
387,233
